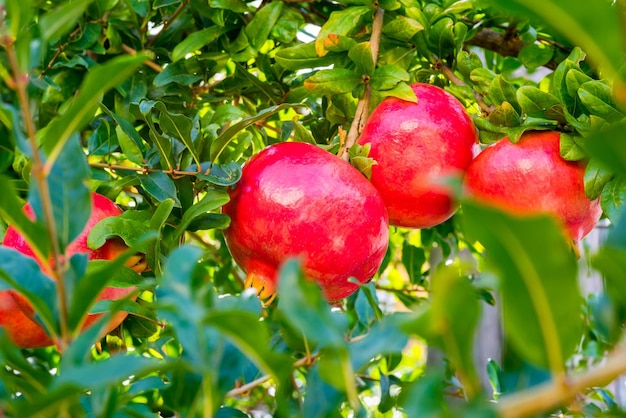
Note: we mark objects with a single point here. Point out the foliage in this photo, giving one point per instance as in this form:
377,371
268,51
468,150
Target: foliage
158,103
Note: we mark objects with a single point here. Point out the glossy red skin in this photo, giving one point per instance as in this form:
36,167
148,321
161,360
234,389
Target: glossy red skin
16,314
419,147
530,177
295,199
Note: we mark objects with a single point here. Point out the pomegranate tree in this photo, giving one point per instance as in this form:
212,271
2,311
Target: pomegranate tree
17,317
298,200
531,177
419,149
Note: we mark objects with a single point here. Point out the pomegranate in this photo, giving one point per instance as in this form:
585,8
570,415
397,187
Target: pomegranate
419,147
297,200
16,314
531,177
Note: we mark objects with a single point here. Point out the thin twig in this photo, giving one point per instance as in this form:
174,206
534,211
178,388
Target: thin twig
145,170
362,109
305,361
129,50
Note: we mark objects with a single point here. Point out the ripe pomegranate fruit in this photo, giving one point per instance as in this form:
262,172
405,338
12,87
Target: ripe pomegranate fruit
295,199
16,314
531,177
419,147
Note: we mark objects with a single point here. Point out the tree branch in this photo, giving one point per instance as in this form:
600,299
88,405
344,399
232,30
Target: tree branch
551,395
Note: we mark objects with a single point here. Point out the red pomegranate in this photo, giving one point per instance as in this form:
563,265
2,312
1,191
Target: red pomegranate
16,314
419,147
297,200
530,177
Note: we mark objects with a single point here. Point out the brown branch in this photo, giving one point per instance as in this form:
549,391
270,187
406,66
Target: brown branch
502,43
362,109
129,50
145,170
551,395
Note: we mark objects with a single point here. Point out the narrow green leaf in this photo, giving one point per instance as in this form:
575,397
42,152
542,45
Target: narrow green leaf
61,20
260,27
219,145
160,186
218,174
361,56
69,194
303,56
79,112
413,259
212,200
596,176
196,41
517,251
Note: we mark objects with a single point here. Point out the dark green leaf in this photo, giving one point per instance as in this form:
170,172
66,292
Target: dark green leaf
607,146
131,226
218,174
413,259
569,148
260,27
212,200
177,73
196,41
303,56
516,251
160,186
535,102
505,115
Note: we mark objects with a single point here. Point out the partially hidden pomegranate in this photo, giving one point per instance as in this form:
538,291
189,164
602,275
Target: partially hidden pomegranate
419,149
298,200
530,177
16,314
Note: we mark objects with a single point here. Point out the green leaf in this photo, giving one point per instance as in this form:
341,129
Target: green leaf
613,200
535,55
337,43
560,88
402,91
70,198
413,259
500,90
129,139
196,41
218,174
343,22
81,109
160,186
219,145
569,148
535,102
260,27
176,73
302,303
332,82
303,56
505,115
455,312
132,226
212,200
597,97
535,266
361,56
61,20
177,126
596,176
386,77
402,28
238,6
593,32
